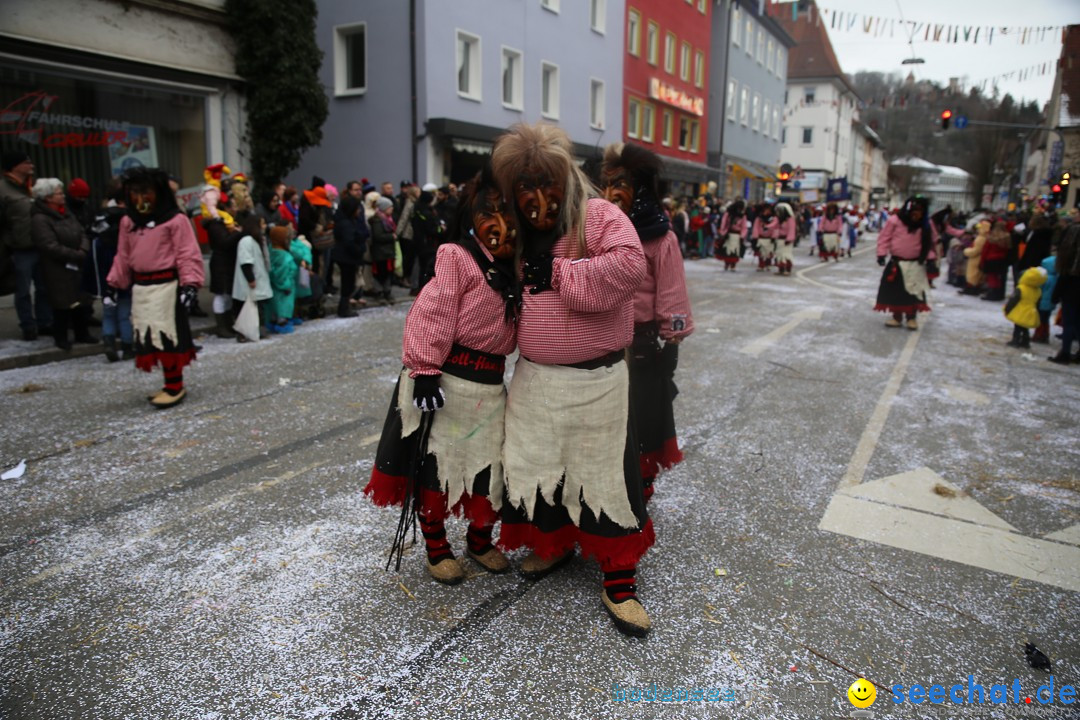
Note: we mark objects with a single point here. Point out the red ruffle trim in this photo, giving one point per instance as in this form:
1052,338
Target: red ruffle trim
902,309
623,551
171,360
389,490
666,457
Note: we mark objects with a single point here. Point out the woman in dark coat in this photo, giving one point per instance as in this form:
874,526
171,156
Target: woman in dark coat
351,235
224,236
63,246
382,247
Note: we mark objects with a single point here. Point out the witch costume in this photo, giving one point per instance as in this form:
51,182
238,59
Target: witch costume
732,230
905,248
158,257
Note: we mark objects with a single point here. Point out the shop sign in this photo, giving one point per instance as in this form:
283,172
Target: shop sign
25,118
673,96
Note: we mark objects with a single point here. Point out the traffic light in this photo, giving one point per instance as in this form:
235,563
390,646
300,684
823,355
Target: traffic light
1055,189
946,118
784,176
1064,178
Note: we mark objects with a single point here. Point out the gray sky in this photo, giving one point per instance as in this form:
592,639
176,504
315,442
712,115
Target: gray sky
858,51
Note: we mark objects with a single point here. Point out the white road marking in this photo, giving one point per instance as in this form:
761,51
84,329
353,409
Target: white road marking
865,449
1070,535
801,274
980,546
761,344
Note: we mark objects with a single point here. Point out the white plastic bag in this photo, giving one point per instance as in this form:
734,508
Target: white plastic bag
247,322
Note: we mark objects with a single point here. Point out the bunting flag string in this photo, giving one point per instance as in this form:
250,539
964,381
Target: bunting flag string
878,26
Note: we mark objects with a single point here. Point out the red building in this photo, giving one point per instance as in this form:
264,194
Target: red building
665,87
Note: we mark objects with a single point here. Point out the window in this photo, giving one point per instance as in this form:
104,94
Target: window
701,6
755,113
647,121
760,47
513,78
694,130
596,103
808,136
736,27
684,133
684,60
549,90
699,69
780,62
633,111
808,95
652,42
769,57
633,33
665,138
732,91
350,59
749,36
776,123
744,107
598,15
783,137
552,5
766,118
669,53
468,65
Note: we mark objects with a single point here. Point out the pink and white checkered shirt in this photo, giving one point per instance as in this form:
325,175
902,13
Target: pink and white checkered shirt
662,296
589,312
456,306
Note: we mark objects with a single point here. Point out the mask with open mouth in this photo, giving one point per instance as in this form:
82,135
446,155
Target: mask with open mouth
494,225
539,198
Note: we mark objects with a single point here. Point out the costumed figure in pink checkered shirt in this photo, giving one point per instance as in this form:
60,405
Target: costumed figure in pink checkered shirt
572,467
732,230
764,232
629,178
158,257
832,224
441,446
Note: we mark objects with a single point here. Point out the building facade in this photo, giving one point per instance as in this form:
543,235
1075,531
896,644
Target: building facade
420,89
665,87
90,88
748,102
820,107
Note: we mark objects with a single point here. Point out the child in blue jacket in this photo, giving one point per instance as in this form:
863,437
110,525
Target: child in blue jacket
1046,302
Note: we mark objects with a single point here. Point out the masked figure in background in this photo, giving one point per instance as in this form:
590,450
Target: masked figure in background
764,231
732,231
572,467
905,248
159,258
629,179
832,224
785,238
457,335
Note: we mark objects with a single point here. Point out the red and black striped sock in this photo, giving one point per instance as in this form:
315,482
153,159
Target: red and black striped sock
174,381
620,585
438,548
479,538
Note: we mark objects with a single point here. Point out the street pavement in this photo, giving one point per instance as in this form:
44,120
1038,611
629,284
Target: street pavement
855,500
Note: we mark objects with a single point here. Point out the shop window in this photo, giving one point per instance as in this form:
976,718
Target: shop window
652,43
633,33
598,15
513,78
665,137
350,59
596,104
468,65
549,90
684,62
633,112
648,120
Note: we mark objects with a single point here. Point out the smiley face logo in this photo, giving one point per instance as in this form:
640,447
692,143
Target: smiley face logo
862,693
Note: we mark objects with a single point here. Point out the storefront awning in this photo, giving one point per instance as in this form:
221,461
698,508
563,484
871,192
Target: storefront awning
686,171
471,146
743,168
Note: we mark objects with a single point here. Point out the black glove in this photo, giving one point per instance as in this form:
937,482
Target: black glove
427,395
537,273
108,296
188,293
881,260
669,358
